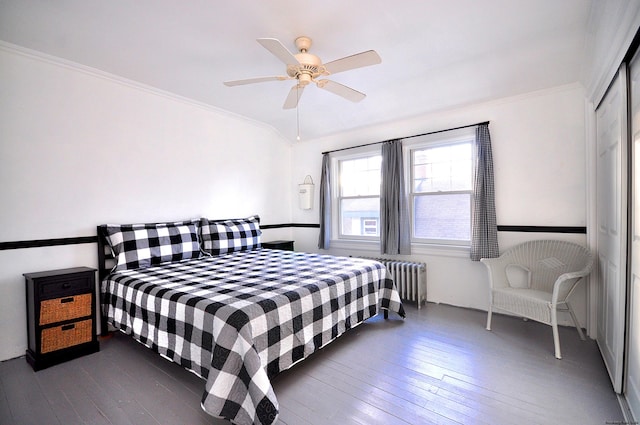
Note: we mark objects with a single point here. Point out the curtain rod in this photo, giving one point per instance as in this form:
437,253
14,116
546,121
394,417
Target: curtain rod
408,137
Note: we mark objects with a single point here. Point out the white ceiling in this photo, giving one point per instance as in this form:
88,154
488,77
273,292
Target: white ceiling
436,54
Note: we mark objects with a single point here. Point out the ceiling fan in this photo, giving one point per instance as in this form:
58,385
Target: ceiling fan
306,68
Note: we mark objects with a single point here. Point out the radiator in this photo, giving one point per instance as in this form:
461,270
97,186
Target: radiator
410,278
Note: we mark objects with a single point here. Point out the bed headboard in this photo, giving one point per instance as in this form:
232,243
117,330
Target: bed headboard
105,256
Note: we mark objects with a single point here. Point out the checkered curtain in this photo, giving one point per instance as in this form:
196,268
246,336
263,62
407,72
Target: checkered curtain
325,203
484,231
394,213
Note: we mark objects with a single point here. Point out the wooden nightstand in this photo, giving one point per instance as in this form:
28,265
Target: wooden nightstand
285,245
61,316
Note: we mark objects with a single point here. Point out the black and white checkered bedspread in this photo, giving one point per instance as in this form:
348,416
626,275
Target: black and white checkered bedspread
239,319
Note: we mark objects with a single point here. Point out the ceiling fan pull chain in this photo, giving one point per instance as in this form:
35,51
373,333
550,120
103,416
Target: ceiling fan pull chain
298,111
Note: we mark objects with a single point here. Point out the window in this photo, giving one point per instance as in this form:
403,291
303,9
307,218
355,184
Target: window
441,188
439,176
359,197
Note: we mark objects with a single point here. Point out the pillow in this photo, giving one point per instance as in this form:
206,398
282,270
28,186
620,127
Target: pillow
225,236
137,246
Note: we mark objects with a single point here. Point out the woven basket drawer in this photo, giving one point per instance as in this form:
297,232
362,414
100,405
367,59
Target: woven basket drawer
64,336
65,308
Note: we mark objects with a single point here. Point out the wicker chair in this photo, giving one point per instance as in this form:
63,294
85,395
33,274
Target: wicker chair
534,280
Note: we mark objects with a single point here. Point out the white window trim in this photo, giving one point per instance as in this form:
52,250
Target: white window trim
372,248
453,249
429,141
336,235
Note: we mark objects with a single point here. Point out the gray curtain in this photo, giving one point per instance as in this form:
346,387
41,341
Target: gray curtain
484,231
394,213
325,203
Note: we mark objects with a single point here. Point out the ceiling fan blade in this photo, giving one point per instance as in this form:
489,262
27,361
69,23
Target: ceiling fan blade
278,50
370,57
255,80
294,97
341,90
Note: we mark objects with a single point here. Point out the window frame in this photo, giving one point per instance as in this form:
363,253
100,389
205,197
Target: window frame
336,213
447,138
453,247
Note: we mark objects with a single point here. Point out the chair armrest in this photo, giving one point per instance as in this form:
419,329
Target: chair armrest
565,283
497,272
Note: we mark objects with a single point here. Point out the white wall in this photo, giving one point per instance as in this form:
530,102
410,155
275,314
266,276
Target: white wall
79,148
538,142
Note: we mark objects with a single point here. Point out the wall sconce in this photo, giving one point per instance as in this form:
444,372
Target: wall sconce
305,193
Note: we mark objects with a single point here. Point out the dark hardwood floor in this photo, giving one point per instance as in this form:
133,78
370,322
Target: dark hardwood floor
439,366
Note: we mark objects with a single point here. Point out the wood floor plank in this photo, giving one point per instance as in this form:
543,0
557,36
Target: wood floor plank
72,382
288,417
363,396
415,402
5,410
492,406
314,404
27,406
106,394
155,389
50,382
104,374
439,366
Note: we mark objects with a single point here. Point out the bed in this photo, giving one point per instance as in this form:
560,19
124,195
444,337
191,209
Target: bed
206,295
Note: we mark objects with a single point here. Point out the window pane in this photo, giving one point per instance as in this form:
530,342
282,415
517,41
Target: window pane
442,217
442,168
360,217
360,177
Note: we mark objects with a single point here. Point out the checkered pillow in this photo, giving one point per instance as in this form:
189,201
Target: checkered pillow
222,237
138,246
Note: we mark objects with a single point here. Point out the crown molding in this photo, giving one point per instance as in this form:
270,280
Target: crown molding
608,41
116,79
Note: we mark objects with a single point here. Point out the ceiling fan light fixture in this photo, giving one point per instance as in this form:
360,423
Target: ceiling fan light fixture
304,79
305,68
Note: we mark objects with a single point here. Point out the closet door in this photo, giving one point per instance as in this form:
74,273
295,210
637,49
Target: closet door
632,374
611,216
